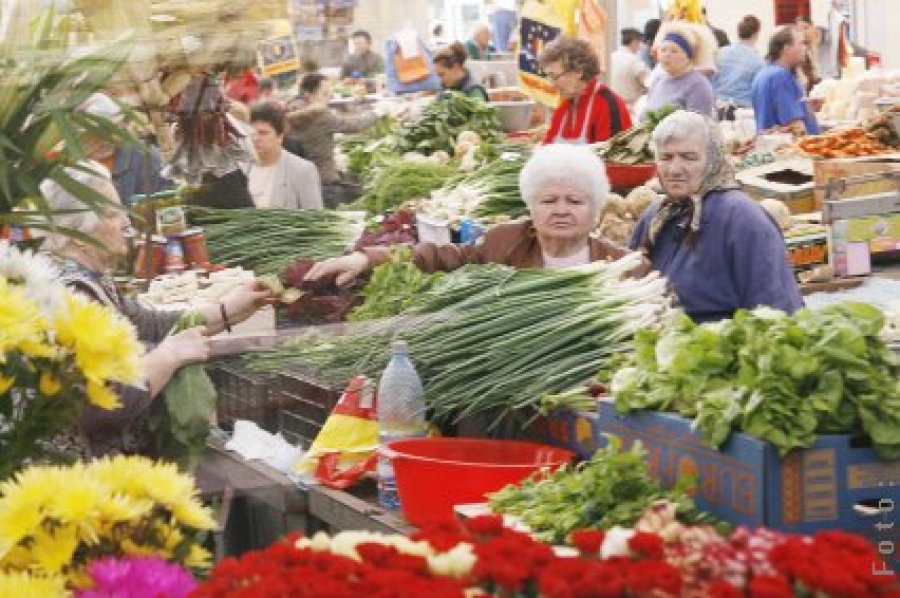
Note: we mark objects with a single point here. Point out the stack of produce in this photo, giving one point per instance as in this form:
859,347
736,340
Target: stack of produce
393,287
494,339
884,127
490,192
784,379
846,143
401,181
446,127
445,119
313,302
613,488
266,241
633,146
621,215
395,229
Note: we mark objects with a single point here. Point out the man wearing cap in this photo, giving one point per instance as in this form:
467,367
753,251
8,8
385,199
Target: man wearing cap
135,170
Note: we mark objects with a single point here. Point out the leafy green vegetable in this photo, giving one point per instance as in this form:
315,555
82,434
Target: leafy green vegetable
444,119
393,287
371,147
491,339
613,488
399,181
188,402
784,379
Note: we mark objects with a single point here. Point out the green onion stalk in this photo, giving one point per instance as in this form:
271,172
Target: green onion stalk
267,241
494,340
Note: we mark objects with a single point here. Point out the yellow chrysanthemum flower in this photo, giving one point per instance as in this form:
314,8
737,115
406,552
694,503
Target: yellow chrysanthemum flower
78,501
118,507
6,382
198,558
49,384
24,585
52,551
132,548
18,519
102,396
105,345
193,514
21,320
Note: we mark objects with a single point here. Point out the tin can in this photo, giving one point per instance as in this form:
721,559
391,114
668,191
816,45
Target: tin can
175,255
196,253
157,260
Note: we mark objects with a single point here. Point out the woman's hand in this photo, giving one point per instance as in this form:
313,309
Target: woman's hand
174,352
246,300
345,268
186,347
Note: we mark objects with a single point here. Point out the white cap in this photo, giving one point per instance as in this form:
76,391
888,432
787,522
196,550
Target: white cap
100,104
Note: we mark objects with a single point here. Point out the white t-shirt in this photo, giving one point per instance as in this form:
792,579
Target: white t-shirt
260,183
628,75
582,257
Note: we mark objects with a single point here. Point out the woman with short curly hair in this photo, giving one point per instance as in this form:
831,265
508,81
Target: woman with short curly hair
589,111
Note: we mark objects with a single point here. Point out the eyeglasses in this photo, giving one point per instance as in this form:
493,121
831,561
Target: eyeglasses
554,77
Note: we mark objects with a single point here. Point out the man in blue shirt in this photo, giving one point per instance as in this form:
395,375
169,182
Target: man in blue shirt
738,64
778,99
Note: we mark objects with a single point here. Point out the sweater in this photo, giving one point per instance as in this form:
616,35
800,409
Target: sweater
600,122
314,126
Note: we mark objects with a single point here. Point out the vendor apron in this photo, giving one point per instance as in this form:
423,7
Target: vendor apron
615,125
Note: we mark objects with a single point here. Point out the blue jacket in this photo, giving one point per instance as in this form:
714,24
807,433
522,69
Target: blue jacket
739,260
138,173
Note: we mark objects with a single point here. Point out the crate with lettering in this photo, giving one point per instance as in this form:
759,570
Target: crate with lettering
838,483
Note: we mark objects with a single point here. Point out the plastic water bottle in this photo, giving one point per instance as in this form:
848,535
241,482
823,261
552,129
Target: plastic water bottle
401,414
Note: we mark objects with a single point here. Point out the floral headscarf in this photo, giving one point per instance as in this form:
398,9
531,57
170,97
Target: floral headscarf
719,174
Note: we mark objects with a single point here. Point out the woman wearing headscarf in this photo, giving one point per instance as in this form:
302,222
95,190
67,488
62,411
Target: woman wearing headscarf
682,52
718,248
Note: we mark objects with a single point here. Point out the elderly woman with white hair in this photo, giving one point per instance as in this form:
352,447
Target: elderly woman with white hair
719,249
86,268
565,188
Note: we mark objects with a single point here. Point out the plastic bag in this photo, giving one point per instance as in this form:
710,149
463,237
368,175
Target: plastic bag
344,449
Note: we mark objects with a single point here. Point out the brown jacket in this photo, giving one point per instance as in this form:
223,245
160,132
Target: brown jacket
314,127
512,244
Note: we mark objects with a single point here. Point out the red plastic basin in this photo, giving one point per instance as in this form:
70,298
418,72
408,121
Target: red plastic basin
435,474
629,175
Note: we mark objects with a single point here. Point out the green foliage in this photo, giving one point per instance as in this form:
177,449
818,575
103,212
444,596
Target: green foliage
784,379
613,488
41,132
393,287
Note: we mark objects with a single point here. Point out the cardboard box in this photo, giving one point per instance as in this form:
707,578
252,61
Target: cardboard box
854,242
836,484
807,246
846,168
839,483
790,181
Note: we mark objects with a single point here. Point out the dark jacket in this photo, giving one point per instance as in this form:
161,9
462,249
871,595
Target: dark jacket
314,126
470,87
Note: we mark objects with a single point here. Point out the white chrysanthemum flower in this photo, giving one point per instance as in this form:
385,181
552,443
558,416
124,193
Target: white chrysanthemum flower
36,274
616,543
457,562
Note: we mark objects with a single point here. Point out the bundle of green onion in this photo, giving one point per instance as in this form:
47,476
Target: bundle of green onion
491,339
267,241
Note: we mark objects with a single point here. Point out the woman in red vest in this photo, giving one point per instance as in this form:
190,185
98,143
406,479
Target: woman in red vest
589,111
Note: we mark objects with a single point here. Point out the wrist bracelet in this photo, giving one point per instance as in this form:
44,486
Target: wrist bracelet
225,321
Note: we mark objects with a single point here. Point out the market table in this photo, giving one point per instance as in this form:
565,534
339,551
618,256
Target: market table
289,504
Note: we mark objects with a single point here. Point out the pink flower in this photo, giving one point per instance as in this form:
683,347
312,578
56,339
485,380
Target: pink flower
138,577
